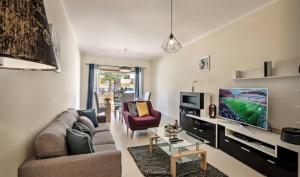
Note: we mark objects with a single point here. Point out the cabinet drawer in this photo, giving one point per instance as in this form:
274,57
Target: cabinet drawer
225,145
251,158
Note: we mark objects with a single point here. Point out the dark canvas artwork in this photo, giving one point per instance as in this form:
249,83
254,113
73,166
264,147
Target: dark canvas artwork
24,31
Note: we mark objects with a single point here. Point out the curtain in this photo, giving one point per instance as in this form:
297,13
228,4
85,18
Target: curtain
91,86
138,82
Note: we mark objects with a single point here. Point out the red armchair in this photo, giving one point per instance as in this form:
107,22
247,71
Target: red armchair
141,123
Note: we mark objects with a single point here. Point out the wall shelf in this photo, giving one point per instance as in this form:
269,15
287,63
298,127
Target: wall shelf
269,77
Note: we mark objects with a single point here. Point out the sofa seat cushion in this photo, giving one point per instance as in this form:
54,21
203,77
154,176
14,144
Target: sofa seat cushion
102,128
142,121
105,147
103,138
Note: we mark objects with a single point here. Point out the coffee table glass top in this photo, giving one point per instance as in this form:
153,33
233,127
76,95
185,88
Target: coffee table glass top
187,139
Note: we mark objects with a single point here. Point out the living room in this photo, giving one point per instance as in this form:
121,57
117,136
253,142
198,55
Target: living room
188,55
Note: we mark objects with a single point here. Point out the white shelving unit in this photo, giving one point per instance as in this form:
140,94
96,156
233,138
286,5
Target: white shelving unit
269,77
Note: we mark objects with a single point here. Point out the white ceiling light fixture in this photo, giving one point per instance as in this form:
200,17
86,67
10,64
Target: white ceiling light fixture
125,69
171,45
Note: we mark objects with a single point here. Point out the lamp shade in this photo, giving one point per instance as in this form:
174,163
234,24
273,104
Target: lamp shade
171,45
25,41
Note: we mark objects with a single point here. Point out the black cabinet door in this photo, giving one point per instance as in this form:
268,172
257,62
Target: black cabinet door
209,133
182,120
226,145
252,158
189,124
197,128
276,168
205,130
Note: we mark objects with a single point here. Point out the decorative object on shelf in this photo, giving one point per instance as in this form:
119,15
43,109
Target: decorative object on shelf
204,63
171,45
290,135
56,46
267,68
237,75
25,42
212,111
193,86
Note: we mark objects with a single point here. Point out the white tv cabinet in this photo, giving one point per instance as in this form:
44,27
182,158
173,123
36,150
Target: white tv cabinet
262,150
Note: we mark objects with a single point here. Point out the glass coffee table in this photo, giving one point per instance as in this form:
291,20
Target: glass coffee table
182,151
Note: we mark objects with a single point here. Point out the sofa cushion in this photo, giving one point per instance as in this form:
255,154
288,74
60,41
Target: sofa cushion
103,138
142,121
91,114
142,109
81,127
87,122
79,142
102,127
132,109
105,147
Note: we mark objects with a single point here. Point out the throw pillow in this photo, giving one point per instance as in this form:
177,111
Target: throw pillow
91,114
81,127
87,122
79,142
132,109
142,109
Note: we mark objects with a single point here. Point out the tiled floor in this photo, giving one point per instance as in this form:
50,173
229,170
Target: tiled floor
217,158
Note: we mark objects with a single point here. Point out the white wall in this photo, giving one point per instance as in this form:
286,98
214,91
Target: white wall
86,58
30,100
271,33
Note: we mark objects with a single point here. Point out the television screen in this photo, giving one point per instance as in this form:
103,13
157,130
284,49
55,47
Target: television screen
247,105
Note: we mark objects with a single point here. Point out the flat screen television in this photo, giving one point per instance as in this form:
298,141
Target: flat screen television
247,106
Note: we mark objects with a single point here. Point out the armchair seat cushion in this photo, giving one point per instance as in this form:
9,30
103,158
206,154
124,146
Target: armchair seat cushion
142,121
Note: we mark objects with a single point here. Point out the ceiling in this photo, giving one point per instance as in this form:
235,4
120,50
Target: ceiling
137,28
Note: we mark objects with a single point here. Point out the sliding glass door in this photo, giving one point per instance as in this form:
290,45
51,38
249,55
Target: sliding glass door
112,83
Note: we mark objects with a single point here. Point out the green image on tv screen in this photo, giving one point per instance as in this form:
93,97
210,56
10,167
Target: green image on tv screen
248,106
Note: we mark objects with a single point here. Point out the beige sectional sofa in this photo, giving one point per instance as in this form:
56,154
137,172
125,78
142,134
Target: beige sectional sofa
51,157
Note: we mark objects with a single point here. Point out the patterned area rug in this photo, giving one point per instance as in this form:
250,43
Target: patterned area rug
157,164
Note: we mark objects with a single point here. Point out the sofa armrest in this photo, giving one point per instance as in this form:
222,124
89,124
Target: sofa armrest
156,114
99,164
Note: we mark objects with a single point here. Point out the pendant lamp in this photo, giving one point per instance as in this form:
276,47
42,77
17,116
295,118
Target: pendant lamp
171,45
